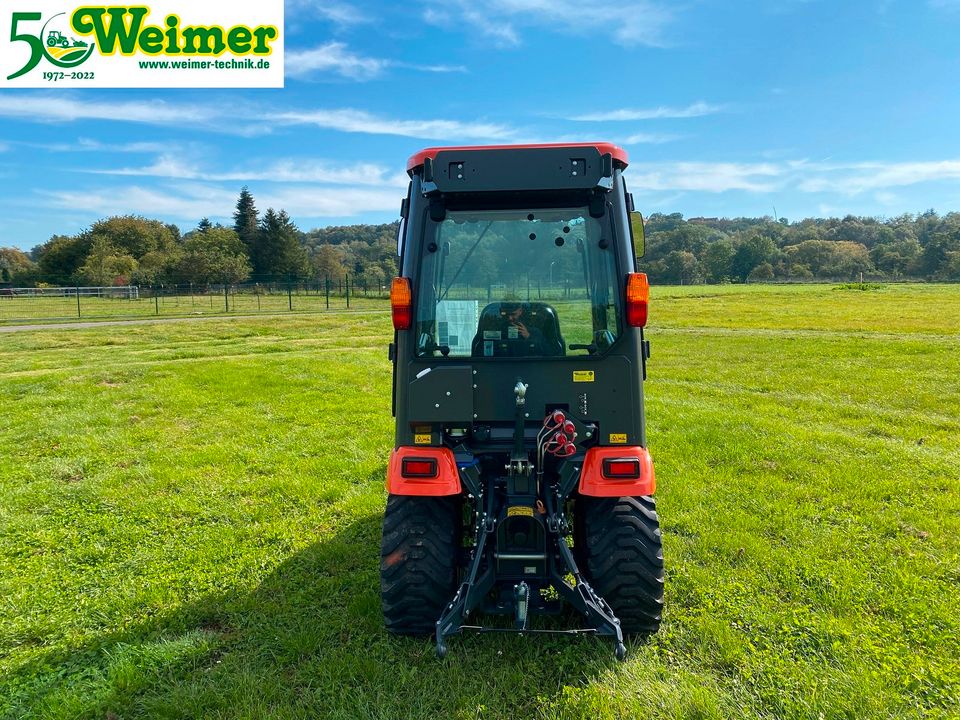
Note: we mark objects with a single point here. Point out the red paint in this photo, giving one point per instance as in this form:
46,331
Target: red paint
445,481
603,148
594,483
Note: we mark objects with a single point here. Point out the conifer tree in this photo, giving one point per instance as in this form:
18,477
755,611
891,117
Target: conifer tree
245,224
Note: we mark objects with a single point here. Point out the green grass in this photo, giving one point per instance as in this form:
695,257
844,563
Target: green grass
190,512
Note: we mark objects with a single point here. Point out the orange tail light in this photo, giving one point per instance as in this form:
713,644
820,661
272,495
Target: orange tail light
401,303
638,295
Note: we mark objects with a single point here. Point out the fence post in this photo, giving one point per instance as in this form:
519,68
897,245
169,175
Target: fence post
156,302
78,301
346,286
327,283
226,297
289,293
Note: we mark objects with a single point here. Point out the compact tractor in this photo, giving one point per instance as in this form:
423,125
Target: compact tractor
520,480
55,37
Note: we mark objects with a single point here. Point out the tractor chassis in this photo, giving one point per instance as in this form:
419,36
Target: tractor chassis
480,577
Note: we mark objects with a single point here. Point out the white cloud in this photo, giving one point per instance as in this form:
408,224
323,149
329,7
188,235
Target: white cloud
360,121
855,178
57,108
172,202
648,139
666,201
336,12
281,171
501,33
697,109
217,117
190,201
429,68
89,145
581,138
707,177
335,57
797,176
631,22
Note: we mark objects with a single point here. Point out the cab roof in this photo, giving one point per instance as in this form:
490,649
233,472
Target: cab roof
416,160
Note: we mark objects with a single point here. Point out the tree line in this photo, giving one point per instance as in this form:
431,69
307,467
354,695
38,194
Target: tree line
713,250
269,246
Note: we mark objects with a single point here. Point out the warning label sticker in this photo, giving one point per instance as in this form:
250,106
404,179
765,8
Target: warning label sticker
583,376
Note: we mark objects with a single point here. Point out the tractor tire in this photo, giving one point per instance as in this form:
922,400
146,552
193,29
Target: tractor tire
418,561
623,554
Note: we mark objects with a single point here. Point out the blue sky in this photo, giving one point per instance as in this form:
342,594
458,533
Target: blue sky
814,107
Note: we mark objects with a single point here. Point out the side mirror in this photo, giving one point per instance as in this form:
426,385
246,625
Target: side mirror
636,229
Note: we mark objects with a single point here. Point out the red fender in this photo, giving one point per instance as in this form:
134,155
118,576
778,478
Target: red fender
430,471
617,472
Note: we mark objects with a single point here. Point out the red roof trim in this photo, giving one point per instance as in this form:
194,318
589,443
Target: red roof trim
618,153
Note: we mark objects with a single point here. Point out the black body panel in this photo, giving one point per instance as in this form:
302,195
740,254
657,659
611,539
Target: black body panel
613,401
525,169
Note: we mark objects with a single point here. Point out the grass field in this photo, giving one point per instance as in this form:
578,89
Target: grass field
190,514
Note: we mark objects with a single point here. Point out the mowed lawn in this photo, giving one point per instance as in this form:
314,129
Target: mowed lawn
190,521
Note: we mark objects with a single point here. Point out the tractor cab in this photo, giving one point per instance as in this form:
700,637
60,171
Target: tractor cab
520,478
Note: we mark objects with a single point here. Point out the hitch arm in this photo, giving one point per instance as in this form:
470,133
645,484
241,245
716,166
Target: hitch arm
475,587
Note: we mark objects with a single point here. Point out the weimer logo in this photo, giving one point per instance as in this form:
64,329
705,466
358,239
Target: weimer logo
141,46
52,43
123,28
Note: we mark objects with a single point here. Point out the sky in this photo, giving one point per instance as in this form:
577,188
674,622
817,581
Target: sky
796,108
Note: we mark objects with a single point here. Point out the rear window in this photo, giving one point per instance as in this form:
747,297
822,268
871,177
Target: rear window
504,284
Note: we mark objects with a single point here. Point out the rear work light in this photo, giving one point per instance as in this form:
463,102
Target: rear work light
401,303
419,467
625,468
638,294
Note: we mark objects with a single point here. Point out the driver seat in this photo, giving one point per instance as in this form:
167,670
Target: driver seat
493,337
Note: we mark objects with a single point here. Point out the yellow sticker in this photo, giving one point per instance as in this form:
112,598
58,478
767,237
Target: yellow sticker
424,439
523,510
618,438
583,375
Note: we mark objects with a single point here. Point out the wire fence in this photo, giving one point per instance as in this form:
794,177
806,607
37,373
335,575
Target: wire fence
276,296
